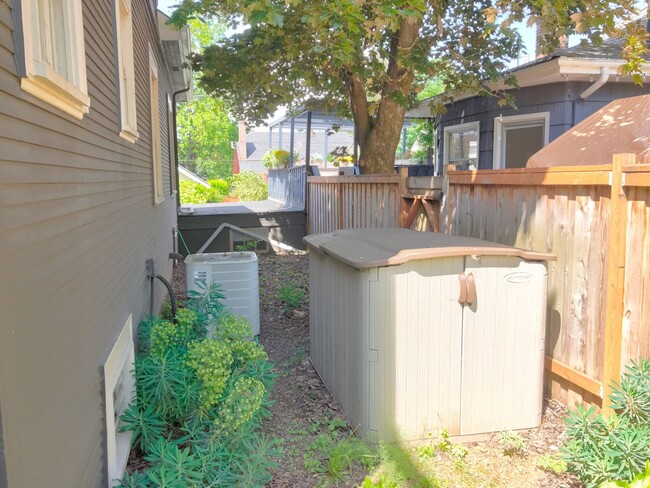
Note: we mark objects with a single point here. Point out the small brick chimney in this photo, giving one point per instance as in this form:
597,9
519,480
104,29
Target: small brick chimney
241,144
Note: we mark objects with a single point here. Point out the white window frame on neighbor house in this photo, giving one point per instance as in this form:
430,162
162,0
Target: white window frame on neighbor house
448,131
55,56
119,392
156,148
126,70
521,121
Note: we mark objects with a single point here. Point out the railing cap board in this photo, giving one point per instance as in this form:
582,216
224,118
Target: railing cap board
354,179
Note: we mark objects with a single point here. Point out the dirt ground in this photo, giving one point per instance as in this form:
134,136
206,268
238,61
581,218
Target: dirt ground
303,408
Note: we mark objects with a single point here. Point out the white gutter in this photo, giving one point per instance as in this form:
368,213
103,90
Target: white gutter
604,76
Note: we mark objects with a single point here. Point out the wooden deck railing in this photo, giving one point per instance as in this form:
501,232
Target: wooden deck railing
346,202
288,185
596,220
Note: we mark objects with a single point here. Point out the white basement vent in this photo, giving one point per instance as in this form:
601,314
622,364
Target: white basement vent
119,390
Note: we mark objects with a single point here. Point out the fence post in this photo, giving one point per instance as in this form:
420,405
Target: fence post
402,189
615,279
339,206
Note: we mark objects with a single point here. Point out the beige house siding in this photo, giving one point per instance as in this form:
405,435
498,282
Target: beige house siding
77,222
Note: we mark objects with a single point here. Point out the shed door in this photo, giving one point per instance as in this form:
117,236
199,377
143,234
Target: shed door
415,329
503,345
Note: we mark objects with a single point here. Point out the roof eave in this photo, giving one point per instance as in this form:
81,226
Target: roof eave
553,70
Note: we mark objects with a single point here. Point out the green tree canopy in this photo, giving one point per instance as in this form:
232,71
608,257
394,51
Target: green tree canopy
370,58
205,128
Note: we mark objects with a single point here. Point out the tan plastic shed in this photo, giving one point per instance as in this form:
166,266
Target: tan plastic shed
413,332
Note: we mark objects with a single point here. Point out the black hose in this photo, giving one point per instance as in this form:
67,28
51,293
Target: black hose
172,297
151,296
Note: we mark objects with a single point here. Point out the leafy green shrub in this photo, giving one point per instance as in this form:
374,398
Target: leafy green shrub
233,328
147,426
219,188
340,156
249,187
511,443
291,296
200,400
193,193
276,158
552,464
242,402
616,448
333,456
168,384
641,480
211,360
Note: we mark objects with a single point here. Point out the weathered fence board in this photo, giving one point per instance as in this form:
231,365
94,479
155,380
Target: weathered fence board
566,211
348,202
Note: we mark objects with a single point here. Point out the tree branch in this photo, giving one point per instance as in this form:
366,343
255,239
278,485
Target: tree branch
359,105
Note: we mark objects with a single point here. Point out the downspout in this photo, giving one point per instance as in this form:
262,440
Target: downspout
178,190
604,76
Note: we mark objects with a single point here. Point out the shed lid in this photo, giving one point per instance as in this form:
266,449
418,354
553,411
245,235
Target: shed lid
371,248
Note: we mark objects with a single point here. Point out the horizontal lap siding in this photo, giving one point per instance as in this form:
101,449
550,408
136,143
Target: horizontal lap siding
77,223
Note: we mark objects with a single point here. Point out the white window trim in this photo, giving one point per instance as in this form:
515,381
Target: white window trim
42,81
156,138
457,128
128,128
500,122
119,365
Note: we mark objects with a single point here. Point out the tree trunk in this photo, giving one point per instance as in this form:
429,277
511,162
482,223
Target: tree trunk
379,136
380,142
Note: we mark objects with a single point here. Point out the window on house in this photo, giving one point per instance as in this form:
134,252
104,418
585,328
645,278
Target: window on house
126,76
461,145
518,137
119,387
156,150
55,60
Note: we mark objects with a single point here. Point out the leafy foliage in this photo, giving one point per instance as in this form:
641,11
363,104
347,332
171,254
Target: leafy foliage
205,128
511,443
641,480
211,360
333,454
249,186
616,448
200,400
371,59
291,296
195,193
552,464
146,425
276,158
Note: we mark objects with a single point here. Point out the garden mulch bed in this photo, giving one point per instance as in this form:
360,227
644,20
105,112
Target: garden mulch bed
303,407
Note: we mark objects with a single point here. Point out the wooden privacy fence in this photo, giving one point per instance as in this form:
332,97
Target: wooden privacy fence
287,185
378,201
596,220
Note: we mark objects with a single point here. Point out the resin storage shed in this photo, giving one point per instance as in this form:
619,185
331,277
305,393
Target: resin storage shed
413,332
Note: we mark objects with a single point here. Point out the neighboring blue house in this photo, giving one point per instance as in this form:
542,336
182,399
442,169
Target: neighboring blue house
555,93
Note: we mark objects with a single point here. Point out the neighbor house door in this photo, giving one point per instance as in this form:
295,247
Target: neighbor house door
518,137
